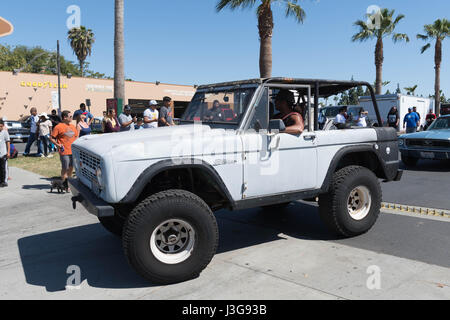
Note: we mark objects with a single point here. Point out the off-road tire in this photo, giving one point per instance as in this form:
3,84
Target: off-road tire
409,161
143,223
333,206
113,224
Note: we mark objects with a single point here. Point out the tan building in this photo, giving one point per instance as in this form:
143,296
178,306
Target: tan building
19,93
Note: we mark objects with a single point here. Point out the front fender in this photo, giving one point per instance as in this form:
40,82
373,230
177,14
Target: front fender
146,177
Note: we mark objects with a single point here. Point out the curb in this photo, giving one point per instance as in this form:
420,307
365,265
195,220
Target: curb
416,210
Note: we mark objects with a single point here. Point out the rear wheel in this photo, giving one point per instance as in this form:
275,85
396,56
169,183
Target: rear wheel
170,237
352,205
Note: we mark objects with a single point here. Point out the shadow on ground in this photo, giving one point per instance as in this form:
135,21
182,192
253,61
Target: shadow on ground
46,257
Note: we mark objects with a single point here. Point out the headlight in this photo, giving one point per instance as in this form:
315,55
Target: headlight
98,173
401,142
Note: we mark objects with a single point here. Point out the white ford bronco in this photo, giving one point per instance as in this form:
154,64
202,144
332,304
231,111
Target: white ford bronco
158,189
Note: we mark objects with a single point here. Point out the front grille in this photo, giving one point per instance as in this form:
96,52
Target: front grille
89,165
89,161
424,143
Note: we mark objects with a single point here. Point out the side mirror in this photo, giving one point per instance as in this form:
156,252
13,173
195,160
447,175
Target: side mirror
277,125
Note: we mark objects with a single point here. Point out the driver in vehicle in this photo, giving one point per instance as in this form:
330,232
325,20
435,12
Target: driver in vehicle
285,103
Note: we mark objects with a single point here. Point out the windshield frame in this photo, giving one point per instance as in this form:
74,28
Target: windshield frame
227,89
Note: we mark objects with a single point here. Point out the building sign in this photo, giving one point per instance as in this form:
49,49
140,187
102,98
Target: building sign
180,93
55,100
47,84
98,88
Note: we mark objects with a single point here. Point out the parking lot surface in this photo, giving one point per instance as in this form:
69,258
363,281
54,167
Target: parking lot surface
262,255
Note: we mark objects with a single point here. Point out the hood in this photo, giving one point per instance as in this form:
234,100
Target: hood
433,134
149,143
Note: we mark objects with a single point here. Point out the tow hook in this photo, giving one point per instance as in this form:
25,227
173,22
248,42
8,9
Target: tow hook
74,202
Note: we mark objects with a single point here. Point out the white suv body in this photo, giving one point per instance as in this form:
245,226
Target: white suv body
235,163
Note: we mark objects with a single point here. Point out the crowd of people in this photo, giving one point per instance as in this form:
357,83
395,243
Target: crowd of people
412,120
54,133
343,118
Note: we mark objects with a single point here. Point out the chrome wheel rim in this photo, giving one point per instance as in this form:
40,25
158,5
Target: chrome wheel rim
172,241
359,203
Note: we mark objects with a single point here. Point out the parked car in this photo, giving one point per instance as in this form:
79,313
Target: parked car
431,144
17,131
96,125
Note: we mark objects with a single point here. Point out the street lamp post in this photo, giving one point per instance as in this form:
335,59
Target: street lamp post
58,62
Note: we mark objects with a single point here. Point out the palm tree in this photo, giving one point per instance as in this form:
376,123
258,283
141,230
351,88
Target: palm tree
438,31
119,51
81,41
265,25
385,28
411,90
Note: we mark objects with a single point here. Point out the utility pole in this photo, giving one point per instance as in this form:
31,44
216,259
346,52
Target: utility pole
58,62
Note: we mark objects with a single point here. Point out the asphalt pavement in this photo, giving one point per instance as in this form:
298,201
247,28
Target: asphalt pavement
262,255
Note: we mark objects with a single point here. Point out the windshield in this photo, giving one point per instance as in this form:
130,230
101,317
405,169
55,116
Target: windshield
330,112
440,124
219,105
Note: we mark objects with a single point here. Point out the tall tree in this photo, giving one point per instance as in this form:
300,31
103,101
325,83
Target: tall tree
265,25
119,51
438,31
410,91
81,40
381,26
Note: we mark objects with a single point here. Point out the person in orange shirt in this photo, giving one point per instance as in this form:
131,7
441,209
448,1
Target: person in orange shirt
63,136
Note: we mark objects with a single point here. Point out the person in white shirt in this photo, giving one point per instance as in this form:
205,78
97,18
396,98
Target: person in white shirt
151,116
45,129
340,118
362,119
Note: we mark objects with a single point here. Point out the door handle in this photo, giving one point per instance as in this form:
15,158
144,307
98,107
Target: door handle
311,137
275,143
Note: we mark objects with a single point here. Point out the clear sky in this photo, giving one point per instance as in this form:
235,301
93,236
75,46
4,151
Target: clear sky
188,42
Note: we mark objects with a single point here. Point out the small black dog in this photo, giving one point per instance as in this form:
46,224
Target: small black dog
58,185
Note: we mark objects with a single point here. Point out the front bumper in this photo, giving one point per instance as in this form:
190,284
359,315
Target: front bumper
437,154
90,202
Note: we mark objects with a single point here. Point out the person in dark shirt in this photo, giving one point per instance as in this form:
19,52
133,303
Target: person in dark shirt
215,114
166,113
55,119
429,119
393,118
111,123
284,102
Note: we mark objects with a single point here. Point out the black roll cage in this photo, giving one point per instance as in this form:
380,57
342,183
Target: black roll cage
320,88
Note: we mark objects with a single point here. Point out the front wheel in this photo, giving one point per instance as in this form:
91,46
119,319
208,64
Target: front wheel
170,237
352,205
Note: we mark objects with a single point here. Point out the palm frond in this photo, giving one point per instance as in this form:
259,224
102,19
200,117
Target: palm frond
400,37
422,37
425,48
364,34
234,4
293,9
